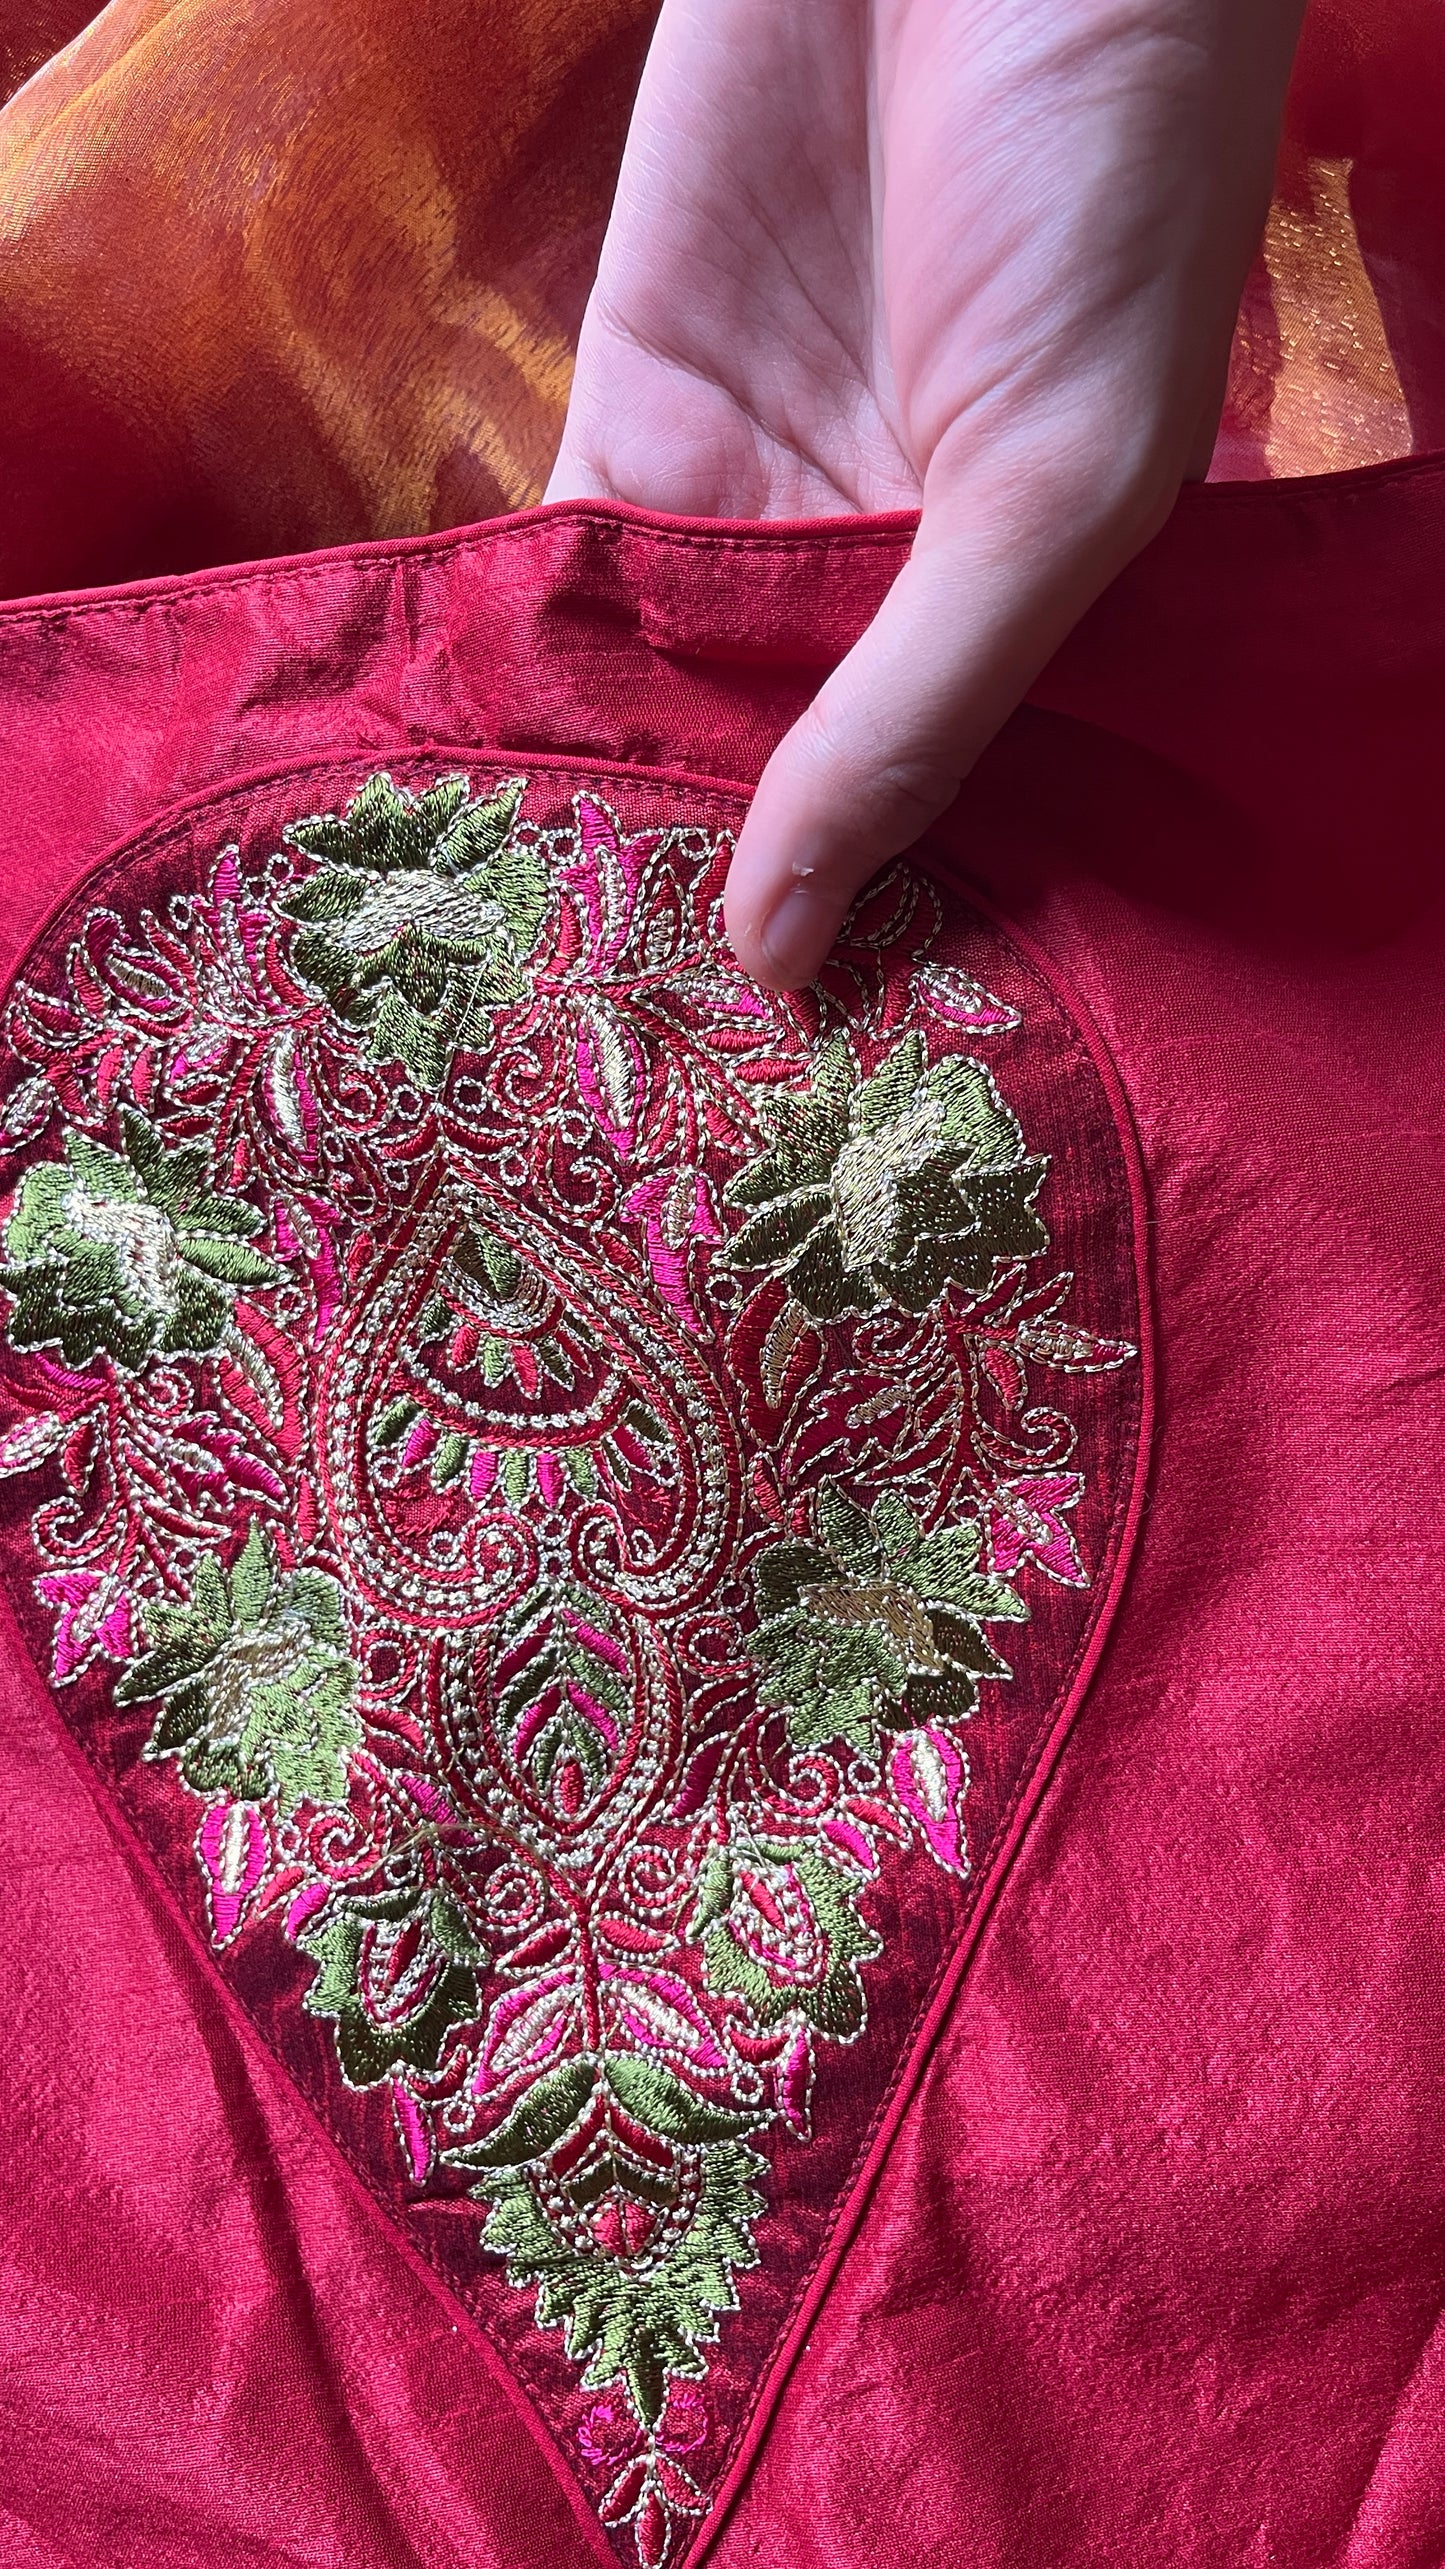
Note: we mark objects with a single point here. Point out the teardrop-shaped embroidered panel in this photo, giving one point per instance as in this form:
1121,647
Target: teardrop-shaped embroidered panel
566,1497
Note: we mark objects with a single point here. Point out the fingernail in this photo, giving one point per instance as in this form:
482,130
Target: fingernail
798,935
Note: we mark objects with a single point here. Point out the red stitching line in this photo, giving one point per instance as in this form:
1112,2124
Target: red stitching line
1035,1775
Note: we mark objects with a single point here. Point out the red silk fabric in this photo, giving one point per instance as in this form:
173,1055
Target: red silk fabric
1154,2266
437,1555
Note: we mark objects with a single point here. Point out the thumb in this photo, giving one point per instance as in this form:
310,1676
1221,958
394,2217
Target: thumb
888,740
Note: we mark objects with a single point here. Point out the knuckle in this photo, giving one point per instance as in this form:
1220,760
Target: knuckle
915,789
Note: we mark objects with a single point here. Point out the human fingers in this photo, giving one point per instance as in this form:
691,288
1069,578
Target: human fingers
1072,196
995,582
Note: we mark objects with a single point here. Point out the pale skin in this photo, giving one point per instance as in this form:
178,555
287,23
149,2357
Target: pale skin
976,257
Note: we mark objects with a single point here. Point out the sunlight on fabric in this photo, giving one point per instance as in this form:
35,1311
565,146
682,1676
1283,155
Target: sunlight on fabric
1337,397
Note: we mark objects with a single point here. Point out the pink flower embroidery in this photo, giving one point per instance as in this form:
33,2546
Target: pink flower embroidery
675,1210
1026,1522
94,1616
930,1778
233,1848
608,873
651,2487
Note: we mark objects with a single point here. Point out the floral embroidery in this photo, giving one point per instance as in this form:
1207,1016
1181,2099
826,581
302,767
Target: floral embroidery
634,2258
878,1624
254,1683
126,1252
780,1924
397,1971
419,917
539,1433
653,2488
889,1188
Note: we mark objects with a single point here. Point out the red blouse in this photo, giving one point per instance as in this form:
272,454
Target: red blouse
709,1878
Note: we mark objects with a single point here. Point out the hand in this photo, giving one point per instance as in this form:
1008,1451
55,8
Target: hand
979,257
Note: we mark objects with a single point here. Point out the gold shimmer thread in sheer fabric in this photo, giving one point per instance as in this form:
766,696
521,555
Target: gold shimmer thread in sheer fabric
1312,373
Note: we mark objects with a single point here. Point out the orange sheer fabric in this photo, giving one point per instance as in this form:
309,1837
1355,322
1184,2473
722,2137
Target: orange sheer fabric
1339,359
275,275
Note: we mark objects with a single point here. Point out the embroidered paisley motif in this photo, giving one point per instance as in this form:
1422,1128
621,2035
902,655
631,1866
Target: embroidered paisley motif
529,1450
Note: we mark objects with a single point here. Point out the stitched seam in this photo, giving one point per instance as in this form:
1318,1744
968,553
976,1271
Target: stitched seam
1341,491
326,566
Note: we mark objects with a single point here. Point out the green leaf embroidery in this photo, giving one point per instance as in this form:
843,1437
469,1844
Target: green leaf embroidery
662,2104
812,1971
643,2320
251,1579
890,1188
879,1627
127,1254
390,1981
564,1687
417,925
453,1932
254,1681
547,2111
